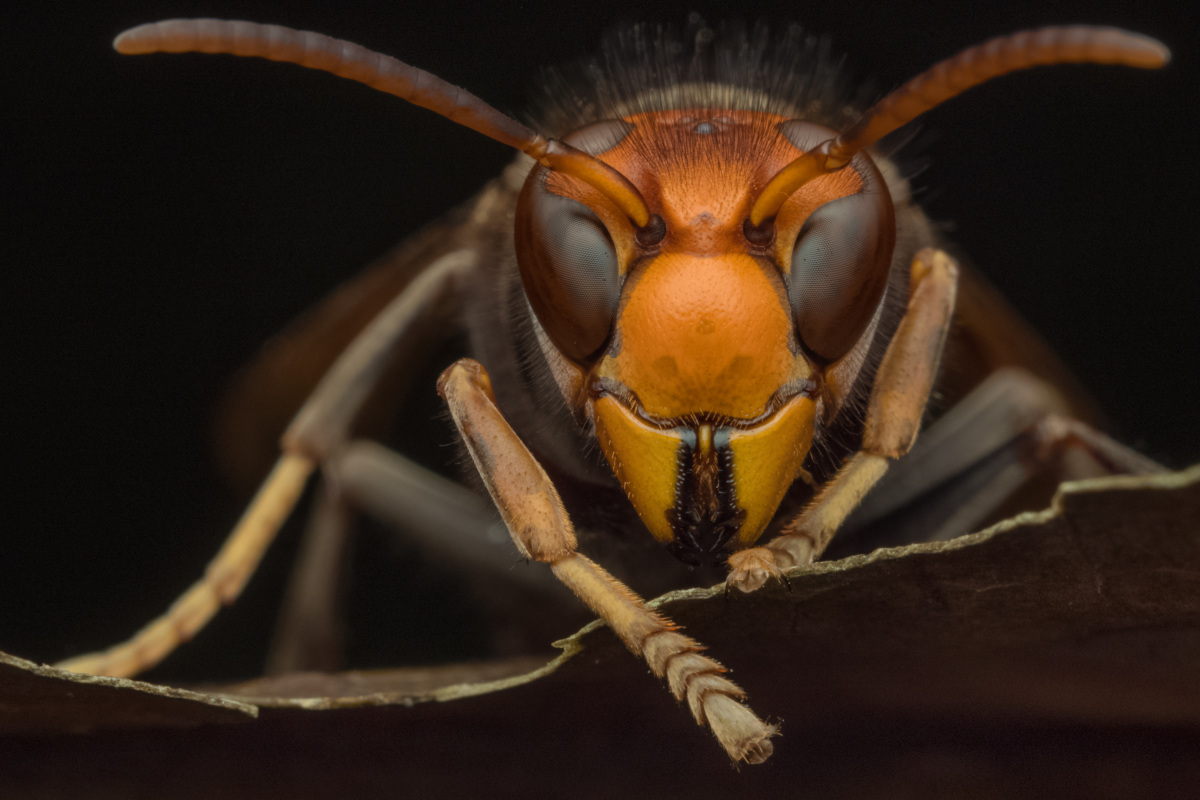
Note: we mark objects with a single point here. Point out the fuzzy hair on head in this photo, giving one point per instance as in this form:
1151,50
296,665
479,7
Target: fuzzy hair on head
644,68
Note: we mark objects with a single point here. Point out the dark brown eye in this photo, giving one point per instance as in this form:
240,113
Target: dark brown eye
569,268
841,258
839,271
567,258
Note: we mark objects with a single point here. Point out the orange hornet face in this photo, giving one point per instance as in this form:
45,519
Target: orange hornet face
688,354
704,412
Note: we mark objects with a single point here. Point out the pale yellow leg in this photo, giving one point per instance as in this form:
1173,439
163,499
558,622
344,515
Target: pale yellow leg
319,426
539,525
898,399
223,581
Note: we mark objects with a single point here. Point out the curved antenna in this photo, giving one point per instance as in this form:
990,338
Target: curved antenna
387,74
971,67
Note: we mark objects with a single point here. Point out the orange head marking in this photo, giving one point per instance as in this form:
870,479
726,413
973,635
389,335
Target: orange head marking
702,335
704,403
704,327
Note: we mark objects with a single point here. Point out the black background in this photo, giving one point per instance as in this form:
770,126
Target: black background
165,215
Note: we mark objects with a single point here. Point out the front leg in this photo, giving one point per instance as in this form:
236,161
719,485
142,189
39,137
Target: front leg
542,531
898,399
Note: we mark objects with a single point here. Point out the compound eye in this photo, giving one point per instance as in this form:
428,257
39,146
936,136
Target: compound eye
566,255
842,255
568,265
839,271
